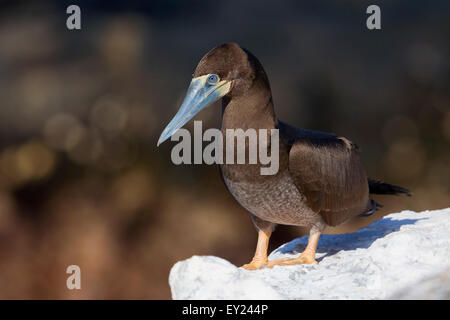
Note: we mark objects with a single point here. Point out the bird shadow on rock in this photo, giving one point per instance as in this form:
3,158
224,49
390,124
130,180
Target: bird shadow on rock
330,244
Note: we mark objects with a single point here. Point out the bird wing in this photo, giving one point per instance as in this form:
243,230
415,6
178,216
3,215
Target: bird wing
327,171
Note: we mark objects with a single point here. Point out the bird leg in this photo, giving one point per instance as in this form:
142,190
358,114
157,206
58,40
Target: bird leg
308,256
260,257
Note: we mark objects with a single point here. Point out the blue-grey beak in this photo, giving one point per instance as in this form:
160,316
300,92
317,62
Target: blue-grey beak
200,94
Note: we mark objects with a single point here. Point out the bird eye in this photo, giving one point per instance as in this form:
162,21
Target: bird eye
213,78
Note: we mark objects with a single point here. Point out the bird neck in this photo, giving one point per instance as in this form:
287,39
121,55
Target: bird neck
253,109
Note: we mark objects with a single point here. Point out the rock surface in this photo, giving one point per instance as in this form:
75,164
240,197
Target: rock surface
436,287
404,255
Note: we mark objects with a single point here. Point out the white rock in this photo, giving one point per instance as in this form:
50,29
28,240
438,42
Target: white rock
436,287
373,263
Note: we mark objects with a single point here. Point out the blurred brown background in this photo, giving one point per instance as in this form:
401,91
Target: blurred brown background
81,179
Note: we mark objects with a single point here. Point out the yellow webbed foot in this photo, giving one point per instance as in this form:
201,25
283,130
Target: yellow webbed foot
254,264
302,259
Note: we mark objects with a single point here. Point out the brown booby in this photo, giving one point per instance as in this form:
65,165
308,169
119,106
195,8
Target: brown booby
320,182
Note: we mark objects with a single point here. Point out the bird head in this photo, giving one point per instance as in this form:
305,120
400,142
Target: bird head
226,70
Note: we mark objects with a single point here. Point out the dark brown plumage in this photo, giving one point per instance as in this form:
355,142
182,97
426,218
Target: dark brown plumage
320,181
327,171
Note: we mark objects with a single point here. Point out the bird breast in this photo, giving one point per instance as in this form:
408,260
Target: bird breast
273,198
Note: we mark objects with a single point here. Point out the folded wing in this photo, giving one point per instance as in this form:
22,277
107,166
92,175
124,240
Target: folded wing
327,171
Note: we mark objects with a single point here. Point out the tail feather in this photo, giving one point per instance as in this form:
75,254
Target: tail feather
374,207
379,187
